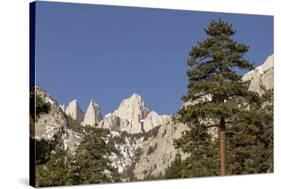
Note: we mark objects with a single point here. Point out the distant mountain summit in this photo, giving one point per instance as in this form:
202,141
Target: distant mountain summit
132,109
132,117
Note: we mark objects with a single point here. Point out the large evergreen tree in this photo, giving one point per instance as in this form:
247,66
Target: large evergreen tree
215,67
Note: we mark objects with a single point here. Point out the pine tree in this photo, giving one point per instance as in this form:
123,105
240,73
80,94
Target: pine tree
202,158
215,67
266,163
92,164
251,140
57,170
175,169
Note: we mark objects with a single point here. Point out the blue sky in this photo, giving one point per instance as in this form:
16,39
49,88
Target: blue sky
106,53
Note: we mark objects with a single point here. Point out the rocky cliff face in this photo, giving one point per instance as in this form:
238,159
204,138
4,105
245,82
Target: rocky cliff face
131,112
158,151
47,125
261,77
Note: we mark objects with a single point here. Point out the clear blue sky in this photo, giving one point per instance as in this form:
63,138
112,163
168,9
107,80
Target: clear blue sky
106,53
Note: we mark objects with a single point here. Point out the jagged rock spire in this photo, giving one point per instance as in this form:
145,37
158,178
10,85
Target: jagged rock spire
93,114
73,110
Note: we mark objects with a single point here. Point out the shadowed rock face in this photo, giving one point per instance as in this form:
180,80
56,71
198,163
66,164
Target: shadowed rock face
73,110
261,77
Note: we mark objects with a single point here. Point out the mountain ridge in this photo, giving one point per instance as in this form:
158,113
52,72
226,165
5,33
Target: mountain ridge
147,147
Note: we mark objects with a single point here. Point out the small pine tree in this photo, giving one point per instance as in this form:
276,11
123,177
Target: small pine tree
175,169
56,171
92,164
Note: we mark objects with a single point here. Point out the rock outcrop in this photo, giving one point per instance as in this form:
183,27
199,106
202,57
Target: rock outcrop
111,122
48,124
73,110
261,78
93,115
158,151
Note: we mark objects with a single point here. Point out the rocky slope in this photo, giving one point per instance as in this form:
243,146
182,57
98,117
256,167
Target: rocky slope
158,151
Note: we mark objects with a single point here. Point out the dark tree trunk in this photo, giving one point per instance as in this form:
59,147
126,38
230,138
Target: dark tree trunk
222,146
